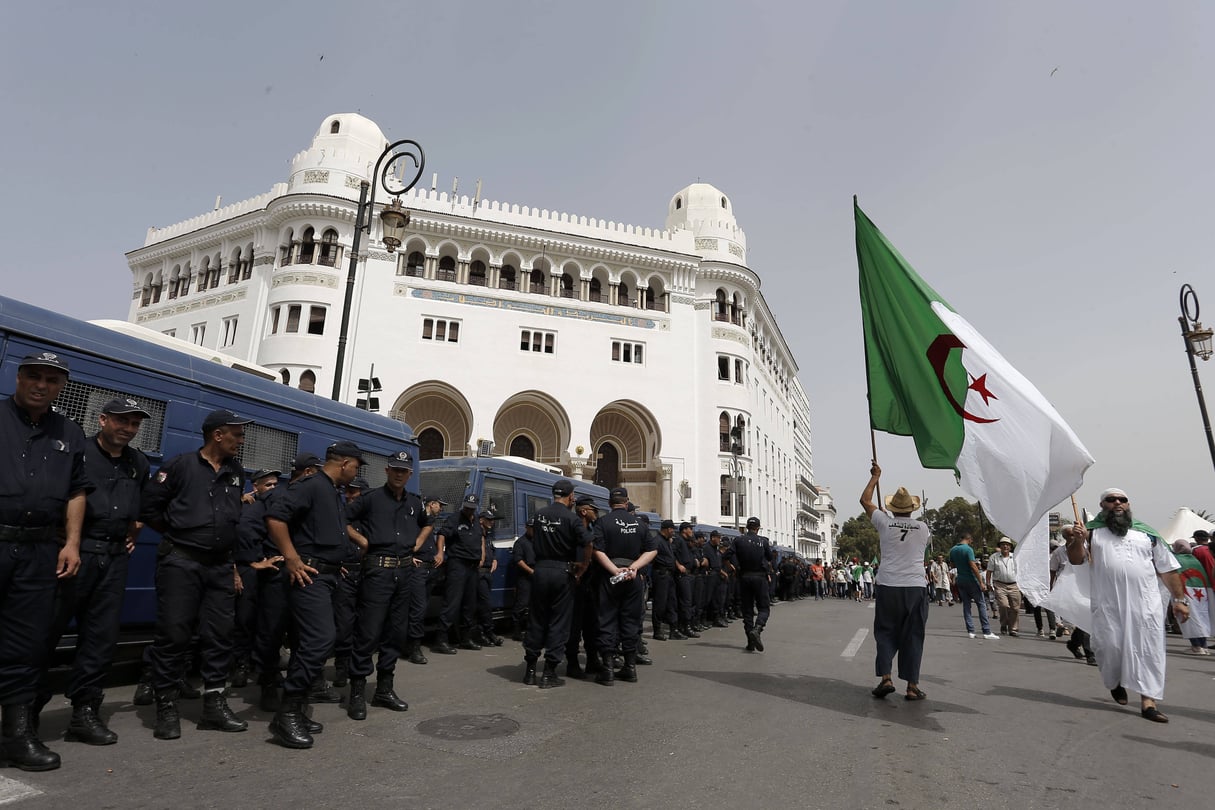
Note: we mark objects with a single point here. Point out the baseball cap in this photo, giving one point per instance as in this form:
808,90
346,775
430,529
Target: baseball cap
667,524
360,483
752,523
220,418
470,501
400,461
619,494
345,449
1201,534
584,500
305,460
260,474
123,405
684,525
563,487
487,514
48,359
435,499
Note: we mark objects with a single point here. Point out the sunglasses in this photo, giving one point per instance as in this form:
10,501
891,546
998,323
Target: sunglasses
1116,499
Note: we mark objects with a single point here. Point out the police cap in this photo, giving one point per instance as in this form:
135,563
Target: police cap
260,474
122,406
667,524
344,449
619,495
470,501
752,523
434,499
684,525
305,460
563,488
584,500
487,514
400,461
48,359
221,418
360,483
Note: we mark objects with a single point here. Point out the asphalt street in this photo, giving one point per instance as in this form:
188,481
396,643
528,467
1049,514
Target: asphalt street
1011,723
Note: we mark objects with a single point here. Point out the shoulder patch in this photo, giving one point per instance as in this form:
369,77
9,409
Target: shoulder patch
161,477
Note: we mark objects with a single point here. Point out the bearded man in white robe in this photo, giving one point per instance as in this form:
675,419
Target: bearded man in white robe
1126,558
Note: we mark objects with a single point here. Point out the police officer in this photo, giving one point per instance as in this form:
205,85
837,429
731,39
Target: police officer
419,585
523,558
309,527
387,524
685,567
485,635
93,597
663,604
43,487
753,555
584,616
559,535
622,547
345,609
194,501
461,549
250,558
715,582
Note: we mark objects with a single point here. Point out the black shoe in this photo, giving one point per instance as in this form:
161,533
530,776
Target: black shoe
628,672
168,721
341,672
218,716
356,706
759,639
86,726
269,702
549,679
240,675
442,647
1091,660
468,644
644,660
322,692
529,674
288,727
310,725
605,676
690,632
1154,714
753,642
660,635
145,694
416,655
21,747
721,623
677,635
385,697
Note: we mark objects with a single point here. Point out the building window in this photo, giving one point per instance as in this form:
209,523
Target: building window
738,372
285,376
740,424
441,330
274,313
335,127
329,248
522,447
293,318
430,444
723,431
726,492
229,331
308,246
316,321
567,285
198,333
308,381
723,367
447,269
414,265
622,295
506,277
533,340
476,273
535,283
627,352
596,292
170,333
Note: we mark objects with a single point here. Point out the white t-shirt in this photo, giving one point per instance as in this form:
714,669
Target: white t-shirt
903,541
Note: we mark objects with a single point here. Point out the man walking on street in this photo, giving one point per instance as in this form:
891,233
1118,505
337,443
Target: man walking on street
970,586
1002,578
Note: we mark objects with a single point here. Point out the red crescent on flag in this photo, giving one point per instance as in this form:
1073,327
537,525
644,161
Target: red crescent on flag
938,354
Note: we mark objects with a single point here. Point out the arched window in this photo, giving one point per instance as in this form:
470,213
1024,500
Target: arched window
308,381
622,295
645,297
285,376
175,281
447,269
726,491
430,444
678,203
741,424
567,285
329,248
415,265
476,273
287,250
308,246
723,429
507,277
335,127
723,203
722,310
607,470
736,310
536,284
596,293
523,447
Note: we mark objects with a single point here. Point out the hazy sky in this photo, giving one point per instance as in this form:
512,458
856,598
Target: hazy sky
1045,166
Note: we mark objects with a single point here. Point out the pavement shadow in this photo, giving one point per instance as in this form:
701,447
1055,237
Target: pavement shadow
512,672
1053,698
1189,747
1066,658
837,696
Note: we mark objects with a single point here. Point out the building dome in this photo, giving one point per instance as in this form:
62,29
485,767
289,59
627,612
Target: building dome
343,152
709,214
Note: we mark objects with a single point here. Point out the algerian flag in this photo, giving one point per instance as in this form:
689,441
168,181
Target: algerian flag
1194,578
934,378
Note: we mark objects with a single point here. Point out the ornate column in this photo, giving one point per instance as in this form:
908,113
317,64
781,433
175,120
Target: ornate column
664,488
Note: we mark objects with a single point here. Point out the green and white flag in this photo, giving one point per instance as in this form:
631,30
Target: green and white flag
933,377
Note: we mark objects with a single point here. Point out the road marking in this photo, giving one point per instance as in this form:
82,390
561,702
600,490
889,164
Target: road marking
13,791
855,644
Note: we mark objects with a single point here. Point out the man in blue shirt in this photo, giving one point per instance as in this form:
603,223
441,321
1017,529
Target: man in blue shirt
970,585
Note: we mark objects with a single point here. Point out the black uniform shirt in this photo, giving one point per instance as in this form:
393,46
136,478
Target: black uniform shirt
491,551
391,525
194,504
752,553
559,533
251,533
114,503
666,554
713,555
430,546
620,535
315,513
523,551
41,467
462,534
679,546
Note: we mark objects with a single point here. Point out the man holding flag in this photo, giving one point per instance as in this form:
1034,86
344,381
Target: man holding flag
1197,628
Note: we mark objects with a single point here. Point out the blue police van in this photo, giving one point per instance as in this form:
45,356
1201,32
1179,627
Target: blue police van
514,488
179,389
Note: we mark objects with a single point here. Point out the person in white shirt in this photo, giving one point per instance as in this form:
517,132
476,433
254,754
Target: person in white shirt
1002,580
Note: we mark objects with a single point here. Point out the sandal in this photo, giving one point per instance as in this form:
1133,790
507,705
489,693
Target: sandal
1154,714
883,689
1118,693
914,693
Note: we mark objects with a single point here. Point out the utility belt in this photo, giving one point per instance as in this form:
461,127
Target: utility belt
28,534
202,556
661,571
567,567
622,562
321,566
113,547
388,561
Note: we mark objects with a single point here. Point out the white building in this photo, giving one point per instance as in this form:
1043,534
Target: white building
622,354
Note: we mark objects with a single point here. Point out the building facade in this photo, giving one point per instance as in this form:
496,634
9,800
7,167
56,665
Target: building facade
644,357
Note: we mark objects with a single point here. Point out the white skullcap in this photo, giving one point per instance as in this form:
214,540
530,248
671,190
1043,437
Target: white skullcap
1182,546
1113,491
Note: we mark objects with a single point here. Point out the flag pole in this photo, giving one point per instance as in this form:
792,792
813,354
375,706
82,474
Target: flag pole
1075,509
872,432
873,449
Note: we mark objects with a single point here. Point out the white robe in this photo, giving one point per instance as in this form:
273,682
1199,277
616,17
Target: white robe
1127,610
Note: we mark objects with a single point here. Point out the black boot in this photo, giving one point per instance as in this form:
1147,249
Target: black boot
690,631
86,725
217,716
677,634
604,675
628,672
356,707
168,721
384,696
19,745
643,659
322,692
415,655
240,675
467,642
442,646
341,671
145,694
549,679
594,663
310,725
659,633
759,641
529,674
288,727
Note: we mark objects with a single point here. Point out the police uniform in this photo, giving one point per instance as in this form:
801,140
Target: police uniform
314,513
623,539
559,533
462,557
663,605
251,541
485,586
42,470
93,598
391,523
715,584
753,556
420,586
523,552
345,609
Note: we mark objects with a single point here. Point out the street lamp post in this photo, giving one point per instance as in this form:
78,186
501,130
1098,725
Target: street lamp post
1197,342
394,218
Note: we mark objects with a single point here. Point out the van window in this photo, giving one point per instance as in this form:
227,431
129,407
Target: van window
267,448
499,495
82,402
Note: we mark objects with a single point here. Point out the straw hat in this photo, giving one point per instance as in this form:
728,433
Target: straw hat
902,501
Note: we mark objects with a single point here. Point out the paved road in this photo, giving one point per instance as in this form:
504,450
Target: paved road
1008,723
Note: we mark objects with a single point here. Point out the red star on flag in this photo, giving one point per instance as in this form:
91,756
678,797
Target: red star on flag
979,386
